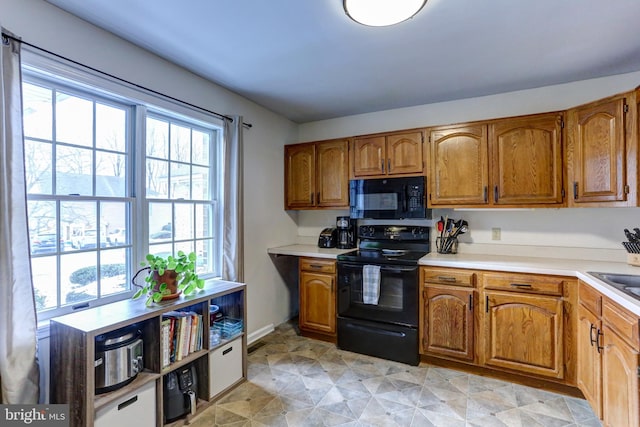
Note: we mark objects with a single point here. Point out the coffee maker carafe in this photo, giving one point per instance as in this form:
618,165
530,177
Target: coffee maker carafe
346,232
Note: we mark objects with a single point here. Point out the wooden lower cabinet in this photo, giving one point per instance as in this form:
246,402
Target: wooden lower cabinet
524,332
608,359
448,311
619,382
448,322
318,296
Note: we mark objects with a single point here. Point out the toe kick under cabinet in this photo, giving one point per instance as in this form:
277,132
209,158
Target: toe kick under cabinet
193,346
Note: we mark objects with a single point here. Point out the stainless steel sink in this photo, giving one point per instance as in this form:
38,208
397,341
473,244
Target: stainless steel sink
627,283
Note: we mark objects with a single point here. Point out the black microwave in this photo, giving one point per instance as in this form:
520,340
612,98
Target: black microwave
388,198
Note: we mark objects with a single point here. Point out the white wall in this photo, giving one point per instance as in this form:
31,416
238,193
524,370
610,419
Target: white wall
572,233
266,223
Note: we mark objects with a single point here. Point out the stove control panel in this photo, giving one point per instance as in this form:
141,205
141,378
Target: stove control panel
393,232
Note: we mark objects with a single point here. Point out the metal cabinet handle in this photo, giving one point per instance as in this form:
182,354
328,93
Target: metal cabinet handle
470,302
521,285
598,346
382,165
311,198
486,194
389,166
447,279
315,266
486,304
575,190
495,193
591,330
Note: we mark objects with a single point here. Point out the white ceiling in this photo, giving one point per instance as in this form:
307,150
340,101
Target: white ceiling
306,60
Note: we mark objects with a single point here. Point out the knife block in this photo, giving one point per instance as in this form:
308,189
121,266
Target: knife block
633,259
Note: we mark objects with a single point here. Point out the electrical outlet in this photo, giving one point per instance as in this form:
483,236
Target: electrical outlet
495,234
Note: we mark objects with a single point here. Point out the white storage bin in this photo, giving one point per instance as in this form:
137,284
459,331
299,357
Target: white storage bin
225,366
136,409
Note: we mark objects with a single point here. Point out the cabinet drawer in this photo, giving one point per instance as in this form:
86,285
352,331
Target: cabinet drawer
318,265
547,285
590,299
448,276
138,405
225,367
621,321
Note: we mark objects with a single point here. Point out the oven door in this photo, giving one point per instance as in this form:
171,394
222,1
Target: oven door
398,297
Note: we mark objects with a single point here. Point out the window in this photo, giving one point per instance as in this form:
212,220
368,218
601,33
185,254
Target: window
110,179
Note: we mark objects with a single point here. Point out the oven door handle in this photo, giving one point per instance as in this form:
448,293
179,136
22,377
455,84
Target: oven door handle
383,267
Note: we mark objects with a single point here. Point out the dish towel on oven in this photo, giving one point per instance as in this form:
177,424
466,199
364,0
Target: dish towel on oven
370,284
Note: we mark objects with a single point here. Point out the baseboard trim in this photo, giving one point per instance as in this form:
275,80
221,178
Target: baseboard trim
262,332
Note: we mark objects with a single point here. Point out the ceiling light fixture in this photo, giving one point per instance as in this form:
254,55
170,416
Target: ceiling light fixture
380,13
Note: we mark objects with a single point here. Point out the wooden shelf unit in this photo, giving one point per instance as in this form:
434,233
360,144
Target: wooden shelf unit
72,351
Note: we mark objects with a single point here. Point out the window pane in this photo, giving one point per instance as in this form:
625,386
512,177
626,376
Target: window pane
79,218
157,138
160,222
79,277
110,174
180,181
184,221
203,251
201,144
180,143
45,272
74,120
157,179
37,109
37,162
110,128
203,223
74,171
200,183
42,226
114,221
113,271
161,250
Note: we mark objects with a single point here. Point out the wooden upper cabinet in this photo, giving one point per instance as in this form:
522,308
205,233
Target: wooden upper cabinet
387,155
458,171
370,156
526,155
332,173
300,176
317,175
597,152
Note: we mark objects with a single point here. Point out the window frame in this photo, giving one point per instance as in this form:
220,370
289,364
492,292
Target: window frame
141,104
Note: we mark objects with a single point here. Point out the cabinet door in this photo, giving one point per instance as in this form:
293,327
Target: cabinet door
620,382
448,322
524,332
299,176
317,302
527,160
404,152
596,152
369,156
332,174
458,172
589,361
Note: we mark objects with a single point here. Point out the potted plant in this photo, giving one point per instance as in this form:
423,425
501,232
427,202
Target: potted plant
168,277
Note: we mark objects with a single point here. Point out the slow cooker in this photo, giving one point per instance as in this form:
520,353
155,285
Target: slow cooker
118,358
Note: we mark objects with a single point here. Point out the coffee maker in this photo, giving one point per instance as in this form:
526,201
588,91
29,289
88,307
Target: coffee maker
346,232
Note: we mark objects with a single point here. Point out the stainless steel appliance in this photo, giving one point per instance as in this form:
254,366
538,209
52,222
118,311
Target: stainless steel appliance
119,358
328,238
388,198
388,326
346,227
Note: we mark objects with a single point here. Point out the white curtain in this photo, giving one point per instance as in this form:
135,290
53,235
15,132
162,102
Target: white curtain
233,218
19,373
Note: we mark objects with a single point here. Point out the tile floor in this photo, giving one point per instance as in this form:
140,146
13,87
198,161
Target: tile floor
296,381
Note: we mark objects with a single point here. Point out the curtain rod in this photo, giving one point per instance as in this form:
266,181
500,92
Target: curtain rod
155,92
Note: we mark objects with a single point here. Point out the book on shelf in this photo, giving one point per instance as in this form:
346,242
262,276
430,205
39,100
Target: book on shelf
166,342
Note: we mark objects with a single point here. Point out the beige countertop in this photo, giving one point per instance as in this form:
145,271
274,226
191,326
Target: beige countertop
518,264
